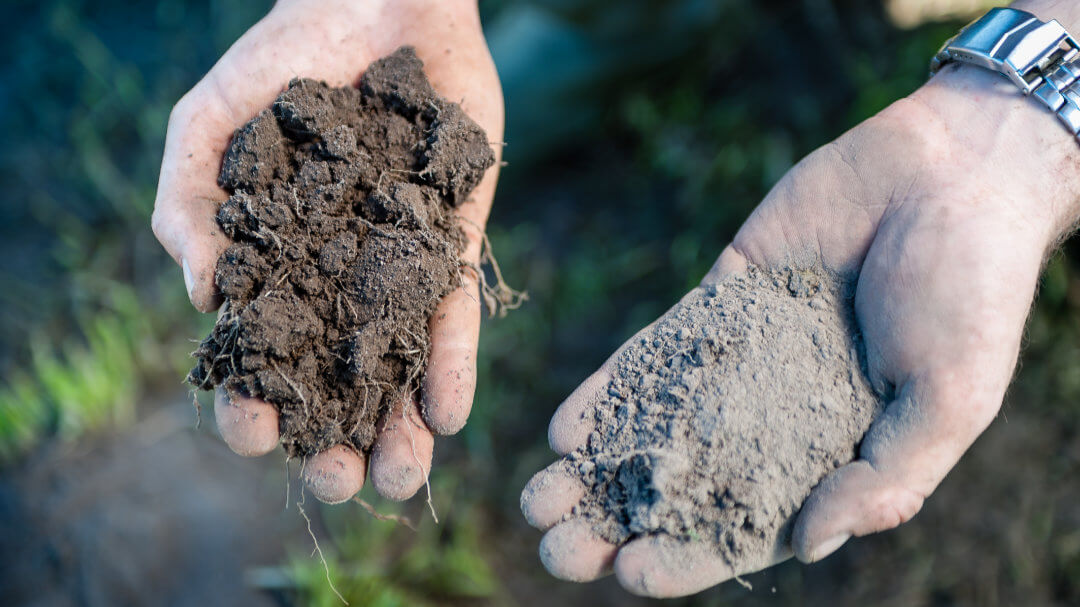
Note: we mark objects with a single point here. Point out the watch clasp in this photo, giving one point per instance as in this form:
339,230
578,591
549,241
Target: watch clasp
1013,43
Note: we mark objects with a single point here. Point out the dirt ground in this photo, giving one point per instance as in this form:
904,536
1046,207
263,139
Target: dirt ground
162,515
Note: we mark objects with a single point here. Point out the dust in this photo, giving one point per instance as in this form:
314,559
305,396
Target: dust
722,417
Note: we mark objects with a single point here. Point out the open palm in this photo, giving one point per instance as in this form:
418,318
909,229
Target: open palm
944,205
334,40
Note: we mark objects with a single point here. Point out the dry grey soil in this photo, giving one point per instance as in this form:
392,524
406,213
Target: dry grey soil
723,416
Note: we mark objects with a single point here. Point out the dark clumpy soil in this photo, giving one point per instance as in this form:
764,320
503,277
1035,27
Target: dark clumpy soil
723,416
344,241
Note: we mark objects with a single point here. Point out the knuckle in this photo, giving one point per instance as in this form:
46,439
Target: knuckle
156,225
181,110
159,223
916,130
896,507
961,402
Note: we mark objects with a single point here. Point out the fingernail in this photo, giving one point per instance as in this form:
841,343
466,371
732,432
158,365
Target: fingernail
189,280
828,547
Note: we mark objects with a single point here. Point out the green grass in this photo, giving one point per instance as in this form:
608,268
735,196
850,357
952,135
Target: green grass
88,382
93,313
378,562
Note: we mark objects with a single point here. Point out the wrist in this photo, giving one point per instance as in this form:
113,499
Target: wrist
986,126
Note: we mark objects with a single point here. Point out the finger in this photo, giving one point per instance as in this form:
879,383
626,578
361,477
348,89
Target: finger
248,425
854,500
185,210
572,551
450,383
401,457
550,496
335,475
450,380
573,421
904,456
661,567
664,567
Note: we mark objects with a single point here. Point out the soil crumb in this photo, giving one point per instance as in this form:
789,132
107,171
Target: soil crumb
723,417
342,217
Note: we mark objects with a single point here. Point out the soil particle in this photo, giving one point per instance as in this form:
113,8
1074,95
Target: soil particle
345,239
723,416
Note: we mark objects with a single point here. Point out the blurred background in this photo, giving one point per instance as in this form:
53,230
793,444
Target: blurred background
639,135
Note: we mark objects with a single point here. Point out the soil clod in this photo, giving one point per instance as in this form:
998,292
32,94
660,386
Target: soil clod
345,238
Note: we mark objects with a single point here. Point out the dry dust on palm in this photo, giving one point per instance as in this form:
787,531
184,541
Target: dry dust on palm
721,418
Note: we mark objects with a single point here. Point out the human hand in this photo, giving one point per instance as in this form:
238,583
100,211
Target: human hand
334,40
944,205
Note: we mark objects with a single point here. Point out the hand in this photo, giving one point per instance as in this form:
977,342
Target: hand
334,40
945,205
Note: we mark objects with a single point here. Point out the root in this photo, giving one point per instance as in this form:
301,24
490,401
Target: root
288,482
416,367
408,391
341,286
227,350
461,278
401,520
198,408
499,298
416,458
326,567
374,228
378,183
296,203
307,410
263,231
682,352
359,418
744,583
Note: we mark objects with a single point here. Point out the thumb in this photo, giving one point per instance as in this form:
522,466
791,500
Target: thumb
904,456
188,196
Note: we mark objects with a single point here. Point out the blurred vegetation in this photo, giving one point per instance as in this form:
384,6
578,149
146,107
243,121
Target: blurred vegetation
386,563
92,314
640,135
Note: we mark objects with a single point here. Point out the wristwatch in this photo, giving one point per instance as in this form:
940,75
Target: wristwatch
1039,57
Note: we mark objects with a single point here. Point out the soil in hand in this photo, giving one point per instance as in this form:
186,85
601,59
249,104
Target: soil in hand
342,217
722,417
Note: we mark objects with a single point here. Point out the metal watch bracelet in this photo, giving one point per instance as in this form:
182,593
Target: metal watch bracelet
1040,58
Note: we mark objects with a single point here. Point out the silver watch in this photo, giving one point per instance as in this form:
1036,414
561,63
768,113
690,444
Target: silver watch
1039,57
